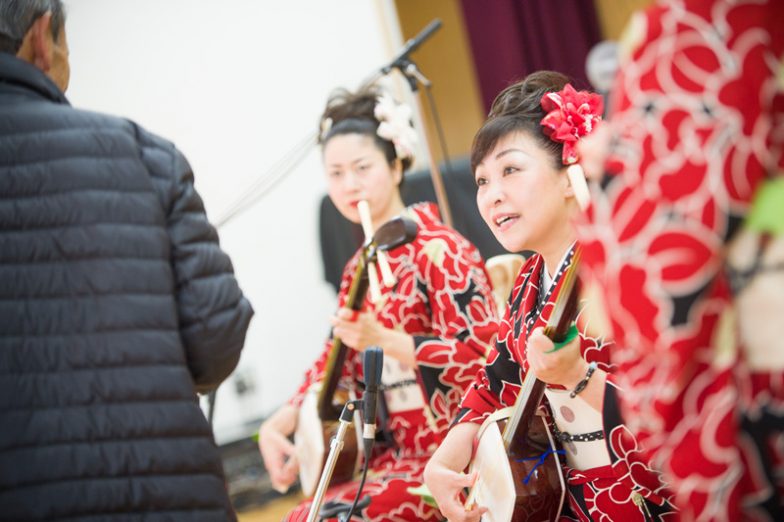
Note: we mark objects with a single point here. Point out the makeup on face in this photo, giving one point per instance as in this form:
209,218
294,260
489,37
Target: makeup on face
357,170
519,193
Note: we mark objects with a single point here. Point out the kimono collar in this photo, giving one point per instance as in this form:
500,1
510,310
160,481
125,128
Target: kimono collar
546,280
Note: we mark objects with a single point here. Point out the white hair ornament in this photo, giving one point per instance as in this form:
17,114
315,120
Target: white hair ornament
396,126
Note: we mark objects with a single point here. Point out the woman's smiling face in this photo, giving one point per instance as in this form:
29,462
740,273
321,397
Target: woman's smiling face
521,195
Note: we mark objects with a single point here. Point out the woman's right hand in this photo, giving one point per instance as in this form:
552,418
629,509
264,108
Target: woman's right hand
446,486
444,478
277,451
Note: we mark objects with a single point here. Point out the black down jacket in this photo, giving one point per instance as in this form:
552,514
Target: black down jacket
116,306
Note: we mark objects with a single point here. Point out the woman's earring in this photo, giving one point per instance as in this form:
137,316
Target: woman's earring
580,187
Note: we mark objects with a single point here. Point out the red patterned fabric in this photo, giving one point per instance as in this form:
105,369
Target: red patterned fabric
603,493
443,298
697,125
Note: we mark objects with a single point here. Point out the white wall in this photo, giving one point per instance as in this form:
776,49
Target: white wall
235,84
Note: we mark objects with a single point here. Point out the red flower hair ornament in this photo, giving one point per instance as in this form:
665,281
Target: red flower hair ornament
572,115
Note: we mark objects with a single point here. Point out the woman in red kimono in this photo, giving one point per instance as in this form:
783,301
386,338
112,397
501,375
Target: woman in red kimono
435,325
697,130
519,160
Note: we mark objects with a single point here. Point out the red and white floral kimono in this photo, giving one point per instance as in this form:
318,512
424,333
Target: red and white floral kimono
698,124
604,476
443,299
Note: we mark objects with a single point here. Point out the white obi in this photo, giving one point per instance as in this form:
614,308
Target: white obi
402,392
577,417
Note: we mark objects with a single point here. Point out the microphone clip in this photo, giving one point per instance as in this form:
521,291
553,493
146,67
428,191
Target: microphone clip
410,72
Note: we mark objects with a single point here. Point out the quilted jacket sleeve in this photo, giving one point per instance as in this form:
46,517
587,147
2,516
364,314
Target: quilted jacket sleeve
213,313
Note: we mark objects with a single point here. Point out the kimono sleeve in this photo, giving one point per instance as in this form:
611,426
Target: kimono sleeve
463,319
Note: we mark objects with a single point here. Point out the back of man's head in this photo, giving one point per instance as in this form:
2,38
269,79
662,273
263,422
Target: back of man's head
17,16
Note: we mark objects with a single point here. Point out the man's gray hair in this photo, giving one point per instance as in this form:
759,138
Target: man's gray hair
16,17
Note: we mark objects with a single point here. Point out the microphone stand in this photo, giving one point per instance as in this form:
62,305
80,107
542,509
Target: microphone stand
406,66
335,447
373,364
414,76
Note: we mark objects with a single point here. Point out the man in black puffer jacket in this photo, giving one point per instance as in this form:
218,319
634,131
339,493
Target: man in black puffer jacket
116,304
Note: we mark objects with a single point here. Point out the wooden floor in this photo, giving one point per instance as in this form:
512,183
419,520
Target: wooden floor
271,512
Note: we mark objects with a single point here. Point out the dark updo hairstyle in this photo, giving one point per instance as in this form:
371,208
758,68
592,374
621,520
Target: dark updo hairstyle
518,108
353,113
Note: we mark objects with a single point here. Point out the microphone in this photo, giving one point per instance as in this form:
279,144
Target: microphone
373,365
412,44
